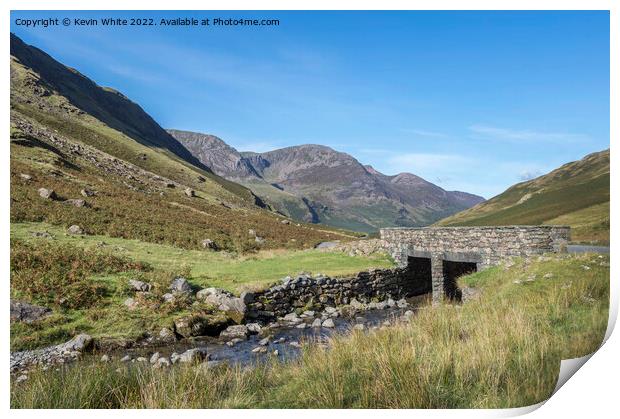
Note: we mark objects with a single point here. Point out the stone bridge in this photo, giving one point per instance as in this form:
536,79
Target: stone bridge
439,255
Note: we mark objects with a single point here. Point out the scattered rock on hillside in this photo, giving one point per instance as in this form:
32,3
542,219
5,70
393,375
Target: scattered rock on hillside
286,222
75,229
25,176
79,203
190,193
252,232
27,313
47,193
42,234
87,193
131,304
201,179
259,239
180,286
209,244
139,285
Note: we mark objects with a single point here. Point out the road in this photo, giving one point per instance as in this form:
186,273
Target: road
581,248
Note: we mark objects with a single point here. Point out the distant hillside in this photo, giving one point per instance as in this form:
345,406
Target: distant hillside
116,172
576,194
318,184
105,104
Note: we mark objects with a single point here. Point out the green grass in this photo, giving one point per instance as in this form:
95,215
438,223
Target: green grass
499,351
219,269
113,261
589,225
285,202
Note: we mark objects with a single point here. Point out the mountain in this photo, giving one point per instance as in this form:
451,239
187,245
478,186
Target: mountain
114,171
576,194
216,154
319,184
105,104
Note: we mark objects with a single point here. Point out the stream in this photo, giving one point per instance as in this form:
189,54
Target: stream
286,340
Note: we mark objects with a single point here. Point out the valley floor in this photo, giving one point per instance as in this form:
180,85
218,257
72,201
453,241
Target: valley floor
49,267
500,350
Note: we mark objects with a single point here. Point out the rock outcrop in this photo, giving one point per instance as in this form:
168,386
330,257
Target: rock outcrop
27,313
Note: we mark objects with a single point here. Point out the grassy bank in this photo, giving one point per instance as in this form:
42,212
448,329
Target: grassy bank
226,270
84,280
501,350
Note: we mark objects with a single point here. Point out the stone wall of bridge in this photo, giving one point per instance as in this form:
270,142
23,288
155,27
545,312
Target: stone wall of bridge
482,246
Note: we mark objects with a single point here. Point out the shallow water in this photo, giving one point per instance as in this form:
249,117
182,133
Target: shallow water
241,353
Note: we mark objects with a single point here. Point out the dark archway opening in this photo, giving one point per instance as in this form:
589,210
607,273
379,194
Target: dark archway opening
451,272
419,275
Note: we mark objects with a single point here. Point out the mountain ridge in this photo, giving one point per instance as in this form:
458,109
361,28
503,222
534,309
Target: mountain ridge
575,194
336,188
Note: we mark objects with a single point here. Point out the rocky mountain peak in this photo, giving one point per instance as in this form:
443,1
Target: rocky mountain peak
212,151
332,186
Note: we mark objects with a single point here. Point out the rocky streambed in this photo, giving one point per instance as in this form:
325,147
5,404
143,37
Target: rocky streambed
250,343
243,344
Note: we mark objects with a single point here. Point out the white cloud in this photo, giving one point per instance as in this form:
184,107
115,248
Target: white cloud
507,134
134,73
425,133
529,174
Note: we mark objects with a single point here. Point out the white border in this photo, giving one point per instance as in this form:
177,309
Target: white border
593,391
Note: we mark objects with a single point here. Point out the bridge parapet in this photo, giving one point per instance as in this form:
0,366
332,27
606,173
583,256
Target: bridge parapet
482,246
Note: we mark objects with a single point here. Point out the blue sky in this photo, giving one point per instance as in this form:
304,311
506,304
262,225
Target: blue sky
472,101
